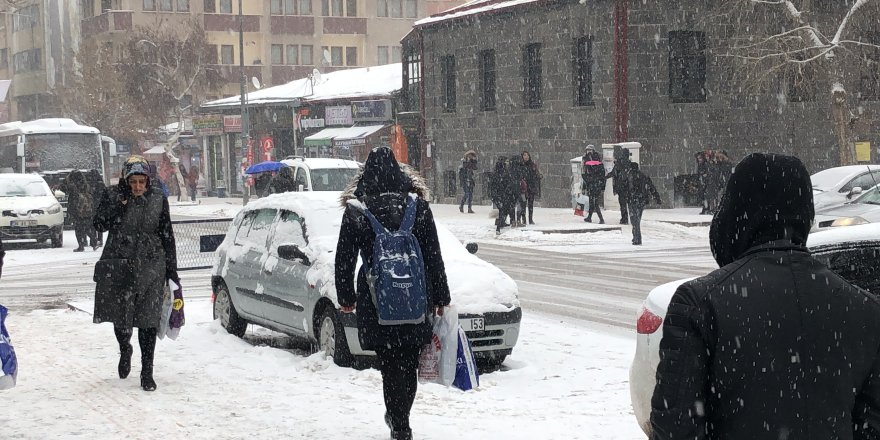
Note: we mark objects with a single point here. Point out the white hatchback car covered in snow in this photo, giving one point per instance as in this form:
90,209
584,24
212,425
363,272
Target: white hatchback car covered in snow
853,253
835,186
322,174
29,211
275,268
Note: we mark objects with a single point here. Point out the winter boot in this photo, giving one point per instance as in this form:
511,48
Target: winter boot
460,208
79,249
588,219
471,211
405,434
125,352
147,340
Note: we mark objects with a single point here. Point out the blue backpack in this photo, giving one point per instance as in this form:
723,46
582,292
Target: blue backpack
8,363
397,275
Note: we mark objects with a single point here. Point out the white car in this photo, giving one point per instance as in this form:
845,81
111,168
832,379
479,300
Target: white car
322,174
853,253
29,210
836,186
862,210
276,264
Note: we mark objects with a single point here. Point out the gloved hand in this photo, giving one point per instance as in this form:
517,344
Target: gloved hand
171,274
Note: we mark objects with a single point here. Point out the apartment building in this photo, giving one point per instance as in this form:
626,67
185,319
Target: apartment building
283,39
37,40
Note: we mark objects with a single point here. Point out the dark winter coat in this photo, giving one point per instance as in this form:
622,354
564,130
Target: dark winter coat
139,231
466,173
641,188
96,182
620,176
503,189
80,205
532,176
282,182
384,194
593,173
773,345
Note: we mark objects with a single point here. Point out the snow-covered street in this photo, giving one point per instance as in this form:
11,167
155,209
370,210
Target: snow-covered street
567,377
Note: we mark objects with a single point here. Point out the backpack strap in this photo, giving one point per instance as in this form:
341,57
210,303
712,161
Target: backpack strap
377,226
409,217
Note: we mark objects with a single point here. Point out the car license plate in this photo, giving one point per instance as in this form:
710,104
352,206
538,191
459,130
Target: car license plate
473,324
22,223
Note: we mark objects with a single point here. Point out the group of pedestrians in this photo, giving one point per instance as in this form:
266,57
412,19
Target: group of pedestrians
513,187
713,171
83,192
633,188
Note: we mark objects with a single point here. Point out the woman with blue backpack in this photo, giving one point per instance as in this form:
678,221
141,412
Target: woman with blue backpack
388,222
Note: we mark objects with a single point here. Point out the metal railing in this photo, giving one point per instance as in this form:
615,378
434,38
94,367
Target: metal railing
197,241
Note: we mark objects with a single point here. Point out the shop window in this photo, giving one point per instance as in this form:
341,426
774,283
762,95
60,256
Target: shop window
351,56
448,75
532,81
583,71
687,66
277,54
487,80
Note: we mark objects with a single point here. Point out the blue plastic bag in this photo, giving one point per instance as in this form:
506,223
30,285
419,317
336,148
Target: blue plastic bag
466,375
8,361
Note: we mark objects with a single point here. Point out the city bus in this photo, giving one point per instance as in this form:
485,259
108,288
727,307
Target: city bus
51,144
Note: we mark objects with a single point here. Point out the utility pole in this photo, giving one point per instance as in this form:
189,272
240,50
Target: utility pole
245,123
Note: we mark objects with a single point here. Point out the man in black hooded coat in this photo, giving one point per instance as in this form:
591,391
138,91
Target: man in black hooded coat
282,182
383,188
772,345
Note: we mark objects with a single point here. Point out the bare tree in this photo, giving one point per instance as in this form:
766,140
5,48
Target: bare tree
809,49
95,94
166,69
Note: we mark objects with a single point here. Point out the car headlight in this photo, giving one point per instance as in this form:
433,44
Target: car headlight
55,209
849,221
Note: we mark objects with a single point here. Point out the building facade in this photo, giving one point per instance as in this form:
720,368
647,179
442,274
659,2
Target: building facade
37,40
552,76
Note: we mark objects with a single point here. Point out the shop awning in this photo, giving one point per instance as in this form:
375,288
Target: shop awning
156,150
342,135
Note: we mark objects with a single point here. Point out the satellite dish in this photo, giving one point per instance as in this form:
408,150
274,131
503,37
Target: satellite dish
316,76
327,58
256,82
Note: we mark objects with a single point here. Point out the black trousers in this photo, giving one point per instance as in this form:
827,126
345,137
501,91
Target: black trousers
505,210
635,219
147,341
400,378
594,204
83,229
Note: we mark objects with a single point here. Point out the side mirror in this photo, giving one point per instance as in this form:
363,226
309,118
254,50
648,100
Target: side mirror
854,192
471,247
292,252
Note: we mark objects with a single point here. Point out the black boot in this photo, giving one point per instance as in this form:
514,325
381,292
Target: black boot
147,340
79,249
405,434
123,336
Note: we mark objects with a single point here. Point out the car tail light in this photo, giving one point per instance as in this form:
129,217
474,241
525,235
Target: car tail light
648,322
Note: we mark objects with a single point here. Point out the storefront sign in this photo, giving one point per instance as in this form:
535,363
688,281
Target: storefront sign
266,147
338,115
232,123
207,125
311,123
376,111
863,151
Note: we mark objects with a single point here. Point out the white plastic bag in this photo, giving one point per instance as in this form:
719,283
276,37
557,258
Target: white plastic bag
165,328
583,199
437,360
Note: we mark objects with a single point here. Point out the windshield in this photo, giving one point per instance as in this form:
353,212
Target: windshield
22,188
332,179
63,151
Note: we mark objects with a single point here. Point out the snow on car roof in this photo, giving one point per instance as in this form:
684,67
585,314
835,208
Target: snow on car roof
320,163
491,291
832,176
845,234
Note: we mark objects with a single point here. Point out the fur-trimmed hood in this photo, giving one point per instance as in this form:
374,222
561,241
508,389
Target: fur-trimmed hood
418,185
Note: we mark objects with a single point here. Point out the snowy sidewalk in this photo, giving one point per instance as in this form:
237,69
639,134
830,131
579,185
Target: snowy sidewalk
563,381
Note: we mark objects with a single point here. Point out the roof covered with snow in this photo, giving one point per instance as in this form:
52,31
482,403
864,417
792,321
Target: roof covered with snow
45,126
472,8
367,82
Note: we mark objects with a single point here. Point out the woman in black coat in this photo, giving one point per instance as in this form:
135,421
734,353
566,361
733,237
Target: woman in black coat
383,188
531,173
594,182
503,196
80,208
96,182
140,241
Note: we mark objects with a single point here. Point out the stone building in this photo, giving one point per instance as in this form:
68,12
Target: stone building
551,76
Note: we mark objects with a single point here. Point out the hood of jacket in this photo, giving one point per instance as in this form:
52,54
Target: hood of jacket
768,198
386,178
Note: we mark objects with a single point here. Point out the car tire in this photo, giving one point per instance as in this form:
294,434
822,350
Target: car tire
331,338
58,239
225,311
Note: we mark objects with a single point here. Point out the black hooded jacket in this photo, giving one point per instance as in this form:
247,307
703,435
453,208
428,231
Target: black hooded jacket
772,345
282,182
382,188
